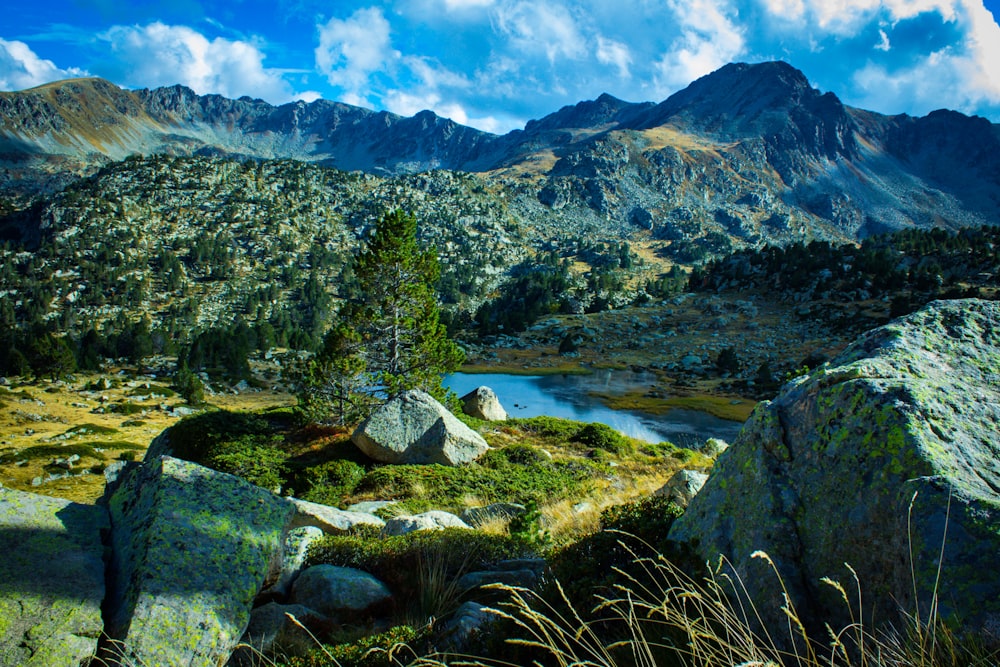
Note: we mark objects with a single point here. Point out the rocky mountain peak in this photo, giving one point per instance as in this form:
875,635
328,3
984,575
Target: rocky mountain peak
604,110
772,100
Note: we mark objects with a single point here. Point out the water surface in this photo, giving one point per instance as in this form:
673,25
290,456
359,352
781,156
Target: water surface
569,397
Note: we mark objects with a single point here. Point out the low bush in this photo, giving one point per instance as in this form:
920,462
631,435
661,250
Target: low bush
602,436
329,483
494,479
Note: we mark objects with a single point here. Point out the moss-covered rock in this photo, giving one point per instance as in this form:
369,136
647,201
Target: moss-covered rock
191,549
51,580
825,474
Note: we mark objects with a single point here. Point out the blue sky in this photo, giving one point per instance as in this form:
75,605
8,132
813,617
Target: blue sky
494,64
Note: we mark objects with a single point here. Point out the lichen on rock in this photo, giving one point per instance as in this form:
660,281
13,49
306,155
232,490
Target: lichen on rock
191,549
51,581
825,474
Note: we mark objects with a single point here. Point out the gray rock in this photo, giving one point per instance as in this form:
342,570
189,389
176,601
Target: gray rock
191,549
270,629
482,403
713,447
495,512
415,428
330,519
825,474
467,622
333,590
525,578
293,557
370,506
683,486
433,520
51,581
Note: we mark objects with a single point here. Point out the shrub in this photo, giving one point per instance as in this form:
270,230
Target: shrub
589,567
259,459
194,437
382,649
546,426
329,482
602,436
394,560
494,479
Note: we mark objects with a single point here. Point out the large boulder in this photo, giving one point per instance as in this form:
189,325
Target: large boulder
191,549
890,450
335,591
415,428
51,580
482,403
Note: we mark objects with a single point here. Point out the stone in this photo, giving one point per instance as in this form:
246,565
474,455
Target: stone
293,557
433,520
526,578
683,486
270,630
493,513
330,519
713,447
415,428
370,506
468,621
333,590
482,403
888,451
51,580
191,548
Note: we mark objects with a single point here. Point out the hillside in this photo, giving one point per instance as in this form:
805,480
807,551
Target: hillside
745,155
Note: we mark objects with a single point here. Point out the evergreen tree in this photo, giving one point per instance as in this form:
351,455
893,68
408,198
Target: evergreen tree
390,338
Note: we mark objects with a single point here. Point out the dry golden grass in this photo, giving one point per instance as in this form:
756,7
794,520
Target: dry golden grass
49,415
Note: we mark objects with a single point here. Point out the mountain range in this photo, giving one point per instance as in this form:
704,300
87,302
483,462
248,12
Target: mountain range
748,154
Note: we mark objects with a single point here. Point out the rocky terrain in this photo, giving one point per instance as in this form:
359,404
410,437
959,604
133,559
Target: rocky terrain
885,455
751,152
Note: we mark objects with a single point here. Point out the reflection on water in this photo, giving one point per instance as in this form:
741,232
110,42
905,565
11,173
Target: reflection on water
568,396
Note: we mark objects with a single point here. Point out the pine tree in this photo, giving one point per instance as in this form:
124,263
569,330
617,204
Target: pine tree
389,338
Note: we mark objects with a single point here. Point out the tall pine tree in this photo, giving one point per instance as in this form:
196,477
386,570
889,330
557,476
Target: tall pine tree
389,338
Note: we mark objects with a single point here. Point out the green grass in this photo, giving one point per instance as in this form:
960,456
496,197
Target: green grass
49,452
90,429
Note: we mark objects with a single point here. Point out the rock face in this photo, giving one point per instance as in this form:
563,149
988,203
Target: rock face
683,486
415,428
192,548
482,403
825,474
51,580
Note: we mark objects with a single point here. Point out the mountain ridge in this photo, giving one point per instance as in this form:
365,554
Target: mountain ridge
751,152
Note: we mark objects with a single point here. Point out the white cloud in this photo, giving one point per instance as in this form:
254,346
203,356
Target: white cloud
21,68
964,76
709,39
610,52
883,43
452,5
351,50
542,27
162,55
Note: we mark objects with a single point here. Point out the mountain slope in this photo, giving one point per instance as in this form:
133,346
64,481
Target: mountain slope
748,154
